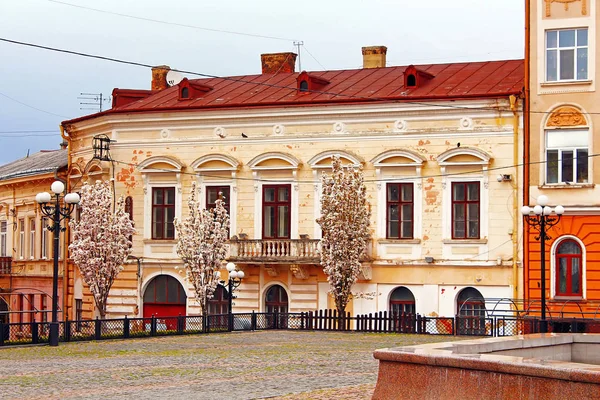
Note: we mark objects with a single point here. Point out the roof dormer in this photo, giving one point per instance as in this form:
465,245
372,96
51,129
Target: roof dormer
189,90
308,83
414,78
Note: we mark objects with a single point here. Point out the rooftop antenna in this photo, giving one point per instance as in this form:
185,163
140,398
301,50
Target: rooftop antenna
298,44
92,99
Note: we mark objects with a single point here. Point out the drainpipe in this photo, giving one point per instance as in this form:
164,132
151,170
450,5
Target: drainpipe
526,149
516,213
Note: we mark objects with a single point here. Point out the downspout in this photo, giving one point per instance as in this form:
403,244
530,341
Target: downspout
65,296
516,213
526,133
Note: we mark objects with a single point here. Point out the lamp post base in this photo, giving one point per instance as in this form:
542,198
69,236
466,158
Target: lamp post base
543,326
53,338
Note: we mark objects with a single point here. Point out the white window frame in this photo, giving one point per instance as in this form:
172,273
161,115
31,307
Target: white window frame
32,239
21,238
318,167
292,164
231,165
44,238
558,50
3,238
553,250
148,173
560,158
481,159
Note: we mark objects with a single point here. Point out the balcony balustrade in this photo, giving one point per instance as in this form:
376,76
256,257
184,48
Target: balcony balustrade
5,265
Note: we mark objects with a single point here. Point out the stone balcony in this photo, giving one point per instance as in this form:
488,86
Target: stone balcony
5,265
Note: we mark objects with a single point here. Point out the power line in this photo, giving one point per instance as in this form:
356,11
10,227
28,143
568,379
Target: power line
395,179
32,131
232,79
24,136
172,23
313,57
32,107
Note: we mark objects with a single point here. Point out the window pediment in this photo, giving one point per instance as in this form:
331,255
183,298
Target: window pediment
216,162
273,161
398,158
323,159
160,164
566,116
464,156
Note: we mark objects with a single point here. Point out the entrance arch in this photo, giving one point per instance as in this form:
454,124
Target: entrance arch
402,301
164,297
471,310
276,300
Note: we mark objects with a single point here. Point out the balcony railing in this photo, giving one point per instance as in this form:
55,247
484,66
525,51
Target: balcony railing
5,265
279,251
275,250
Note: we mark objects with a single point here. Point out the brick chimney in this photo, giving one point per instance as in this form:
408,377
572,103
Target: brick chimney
278,62
159,77
374,56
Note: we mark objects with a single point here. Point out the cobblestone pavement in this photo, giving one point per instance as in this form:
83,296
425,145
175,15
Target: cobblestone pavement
285,365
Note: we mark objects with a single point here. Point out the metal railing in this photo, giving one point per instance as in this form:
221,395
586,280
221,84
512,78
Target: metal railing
323,320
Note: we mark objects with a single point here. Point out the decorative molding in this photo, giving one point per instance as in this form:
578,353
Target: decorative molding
278,130
220,132
299,271
400,125
326,155
566,116
272,270
339,127
366,273
165,134
466,123
566,3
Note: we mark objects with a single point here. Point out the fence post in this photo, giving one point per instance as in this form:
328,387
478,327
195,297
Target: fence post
419,327
456,327
98,329
66,329
126,327
180,324
34,333
153,326
302,320
253,321
276,320
2,333
230,321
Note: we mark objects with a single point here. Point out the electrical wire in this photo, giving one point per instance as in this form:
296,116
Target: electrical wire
171,23
313,57
25,136
32,131
32,107
239,80
395,179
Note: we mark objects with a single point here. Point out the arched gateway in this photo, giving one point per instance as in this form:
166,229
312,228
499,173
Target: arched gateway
164,297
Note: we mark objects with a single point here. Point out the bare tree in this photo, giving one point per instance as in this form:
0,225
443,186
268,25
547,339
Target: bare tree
201,238
101,240
345,224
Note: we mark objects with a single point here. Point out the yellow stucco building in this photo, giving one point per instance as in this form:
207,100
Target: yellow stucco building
437,143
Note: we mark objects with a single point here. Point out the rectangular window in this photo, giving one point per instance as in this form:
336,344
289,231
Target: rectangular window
32,238
3,239
400,210
21,238
212,195
566,156
567,55
44,241
465,210
163,213
276,211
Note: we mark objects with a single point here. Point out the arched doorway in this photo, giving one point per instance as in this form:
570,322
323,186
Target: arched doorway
471,310
164,297
276,301
402,301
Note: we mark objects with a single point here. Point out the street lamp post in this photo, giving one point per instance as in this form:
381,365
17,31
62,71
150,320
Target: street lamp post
52,208
542,217
233,282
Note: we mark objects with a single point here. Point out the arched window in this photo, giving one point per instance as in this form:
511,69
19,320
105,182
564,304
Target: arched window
402,301
185,93
569,269
471,310
304,86
164,289
276,300
411,80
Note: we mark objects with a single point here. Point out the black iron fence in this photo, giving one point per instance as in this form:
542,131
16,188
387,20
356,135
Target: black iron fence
323,320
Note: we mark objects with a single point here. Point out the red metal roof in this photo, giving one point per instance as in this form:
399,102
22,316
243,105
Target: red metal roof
450,81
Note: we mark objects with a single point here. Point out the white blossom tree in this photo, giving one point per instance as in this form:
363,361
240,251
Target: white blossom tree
345,225
201,239
101,240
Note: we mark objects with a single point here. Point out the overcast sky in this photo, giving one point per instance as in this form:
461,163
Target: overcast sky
40,88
